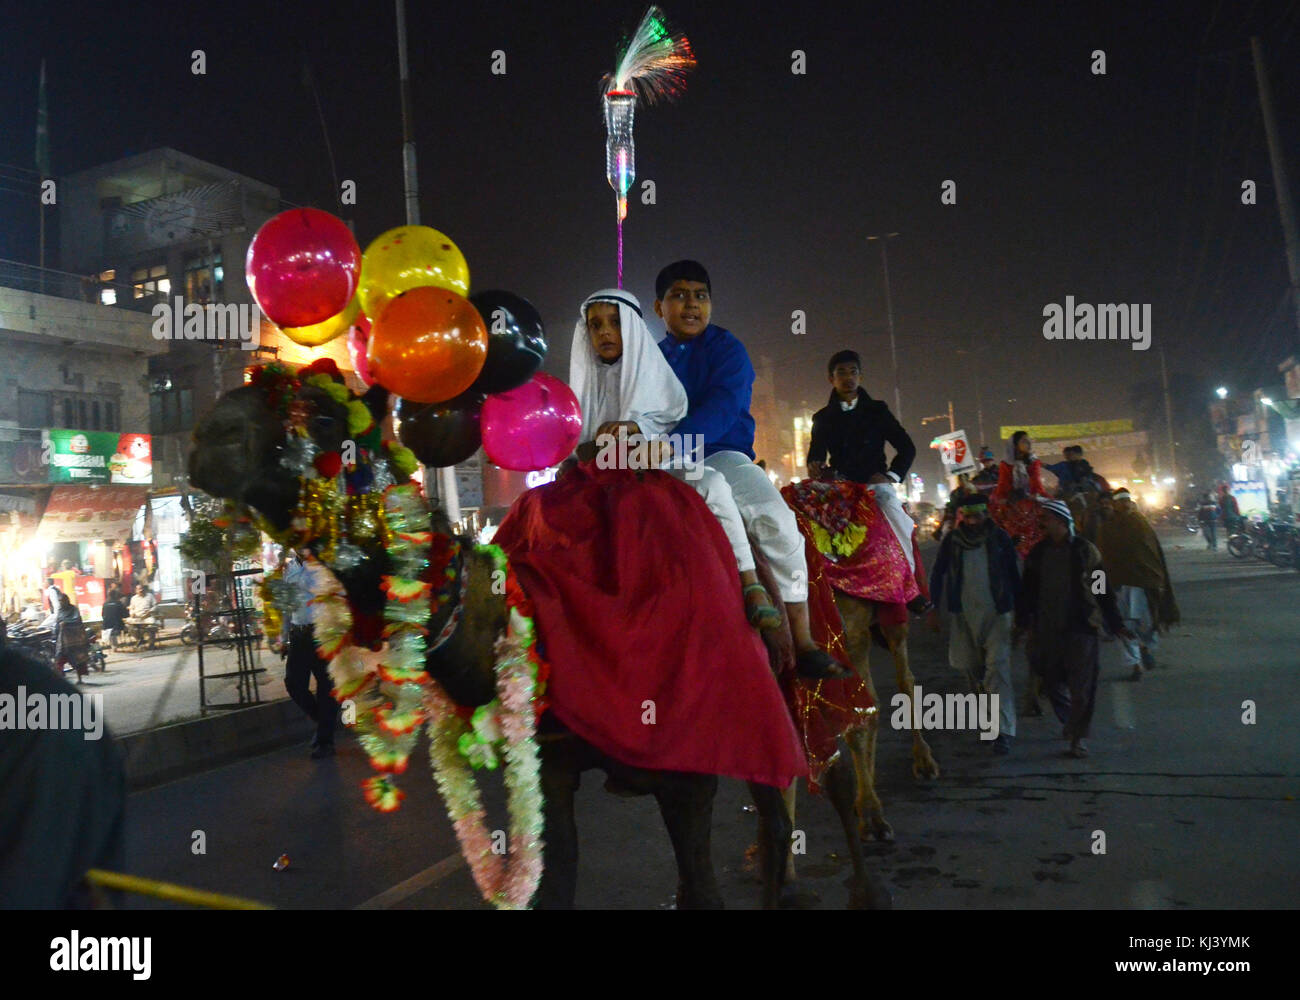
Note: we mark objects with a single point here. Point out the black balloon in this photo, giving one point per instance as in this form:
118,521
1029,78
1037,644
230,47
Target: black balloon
516,341
441,434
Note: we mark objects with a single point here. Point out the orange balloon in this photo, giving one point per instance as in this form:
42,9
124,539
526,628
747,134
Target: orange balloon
428,345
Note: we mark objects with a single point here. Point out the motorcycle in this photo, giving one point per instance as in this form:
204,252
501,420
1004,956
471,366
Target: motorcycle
1271,541
34,639
1281,544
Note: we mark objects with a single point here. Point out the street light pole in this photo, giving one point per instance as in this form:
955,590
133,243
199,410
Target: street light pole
889,310
444,479
1169,421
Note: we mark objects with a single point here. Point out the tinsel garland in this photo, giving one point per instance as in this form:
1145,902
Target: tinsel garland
345,511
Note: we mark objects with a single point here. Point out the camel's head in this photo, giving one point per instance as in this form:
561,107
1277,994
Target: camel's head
261,441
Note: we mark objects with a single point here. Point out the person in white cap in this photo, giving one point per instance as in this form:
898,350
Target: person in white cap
1064,603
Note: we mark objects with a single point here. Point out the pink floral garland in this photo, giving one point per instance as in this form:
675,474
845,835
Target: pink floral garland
508,881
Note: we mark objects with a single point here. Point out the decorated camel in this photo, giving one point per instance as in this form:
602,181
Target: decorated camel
862,583
421,627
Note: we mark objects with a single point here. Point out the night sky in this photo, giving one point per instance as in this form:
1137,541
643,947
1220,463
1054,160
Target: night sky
1116,188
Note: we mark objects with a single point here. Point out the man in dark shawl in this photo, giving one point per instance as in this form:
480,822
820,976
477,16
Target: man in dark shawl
1136,571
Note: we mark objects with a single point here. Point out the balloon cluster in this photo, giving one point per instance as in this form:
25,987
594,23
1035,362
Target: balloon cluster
464,366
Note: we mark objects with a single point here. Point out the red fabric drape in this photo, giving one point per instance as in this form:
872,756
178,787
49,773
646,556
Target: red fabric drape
639,613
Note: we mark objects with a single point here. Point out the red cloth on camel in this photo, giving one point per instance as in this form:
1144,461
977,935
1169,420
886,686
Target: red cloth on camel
876,570
638,599
824,710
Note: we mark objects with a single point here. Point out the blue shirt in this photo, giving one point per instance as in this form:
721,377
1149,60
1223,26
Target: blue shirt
714,369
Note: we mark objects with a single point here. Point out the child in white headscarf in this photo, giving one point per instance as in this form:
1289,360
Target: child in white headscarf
625,388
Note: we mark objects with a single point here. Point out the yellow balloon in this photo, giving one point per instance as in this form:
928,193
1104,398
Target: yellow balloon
409,257
326,330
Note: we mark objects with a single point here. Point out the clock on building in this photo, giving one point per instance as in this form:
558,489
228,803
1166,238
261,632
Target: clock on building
169,220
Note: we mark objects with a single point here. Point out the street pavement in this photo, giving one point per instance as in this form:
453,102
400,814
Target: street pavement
151,688
1197,808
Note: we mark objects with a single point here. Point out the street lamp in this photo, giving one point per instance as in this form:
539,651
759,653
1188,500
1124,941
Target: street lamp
1266,401
889,310
1221,392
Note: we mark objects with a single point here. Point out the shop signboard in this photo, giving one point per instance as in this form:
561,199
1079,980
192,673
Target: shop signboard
87,457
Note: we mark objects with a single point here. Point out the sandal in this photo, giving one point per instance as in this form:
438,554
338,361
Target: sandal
759,610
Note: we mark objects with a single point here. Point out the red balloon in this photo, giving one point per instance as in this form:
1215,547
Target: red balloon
302,267
428,345
533,426
358,346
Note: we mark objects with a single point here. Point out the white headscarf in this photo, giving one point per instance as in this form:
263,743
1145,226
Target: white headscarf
639,386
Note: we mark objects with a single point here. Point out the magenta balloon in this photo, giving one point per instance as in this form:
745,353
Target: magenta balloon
358,342
302,267
532,427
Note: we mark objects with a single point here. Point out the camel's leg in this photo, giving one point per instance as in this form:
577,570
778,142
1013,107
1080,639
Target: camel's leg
774,830
686,804
560,775
923,763
867,892
871,814
861,739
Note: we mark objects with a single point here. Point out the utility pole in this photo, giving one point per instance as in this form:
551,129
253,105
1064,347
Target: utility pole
1169,420
952,424
889,310
1284,207
445,479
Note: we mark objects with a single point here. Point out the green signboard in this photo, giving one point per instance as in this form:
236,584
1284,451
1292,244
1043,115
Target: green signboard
98,457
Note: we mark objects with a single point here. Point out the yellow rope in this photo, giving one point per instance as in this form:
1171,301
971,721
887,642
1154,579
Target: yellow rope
170,891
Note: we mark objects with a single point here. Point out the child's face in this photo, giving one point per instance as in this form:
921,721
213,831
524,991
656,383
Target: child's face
605,331
685,308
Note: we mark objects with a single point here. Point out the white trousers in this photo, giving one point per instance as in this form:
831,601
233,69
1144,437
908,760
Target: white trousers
768,518
717,496
984,656
1136,612
898,519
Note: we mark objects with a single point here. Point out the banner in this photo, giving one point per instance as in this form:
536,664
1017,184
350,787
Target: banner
1051,432
955,453
99,457
91,513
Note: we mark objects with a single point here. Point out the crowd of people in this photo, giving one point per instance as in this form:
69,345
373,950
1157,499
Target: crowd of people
1061,570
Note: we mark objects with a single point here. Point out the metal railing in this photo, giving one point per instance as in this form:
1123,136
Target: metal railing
78,287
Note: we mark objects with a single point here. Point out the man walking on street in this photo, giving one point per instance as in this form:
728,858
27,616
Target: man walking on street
298,646
976,566
1207,512
1064,602
1135,567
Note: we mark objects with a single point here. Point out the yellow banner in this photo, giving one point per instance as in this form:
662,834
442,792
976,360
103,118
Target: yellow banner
1052,432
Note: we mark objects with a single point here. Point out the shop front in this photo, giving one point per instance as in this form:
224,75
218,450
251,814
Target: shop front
81,540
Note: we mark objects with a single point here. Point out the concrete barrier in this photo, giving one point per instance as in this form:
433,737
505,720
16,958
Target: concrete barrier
177,751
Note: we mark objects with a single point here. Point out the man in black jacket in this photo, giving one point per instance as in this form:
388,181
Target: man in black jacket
1064,604
853,429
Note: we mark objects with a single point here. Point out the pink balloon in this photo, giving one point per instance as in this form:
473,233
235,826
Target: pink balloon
358,342
532,427
302,267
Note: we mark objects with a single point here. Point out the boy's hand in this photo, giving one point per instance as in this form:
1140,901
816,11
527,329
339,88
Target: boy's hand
815,469
618,428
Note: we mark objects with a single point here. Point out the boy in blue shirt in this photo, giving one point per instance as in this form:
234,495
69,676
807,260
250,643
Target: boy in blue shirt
715,370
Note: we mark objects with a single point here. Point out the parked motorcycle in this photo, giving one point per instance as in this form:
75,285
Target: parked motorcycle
34,639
